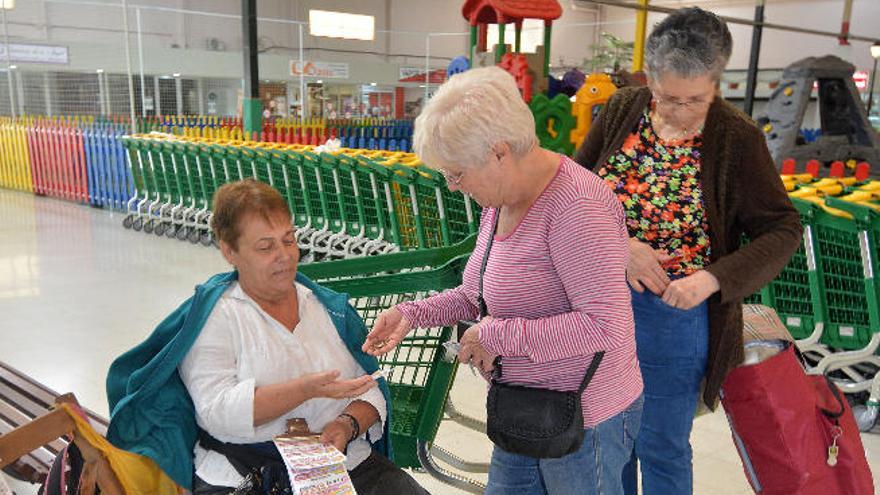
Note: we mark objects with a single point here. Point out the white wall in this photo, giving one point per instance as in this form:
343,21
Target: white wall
780,48
94,34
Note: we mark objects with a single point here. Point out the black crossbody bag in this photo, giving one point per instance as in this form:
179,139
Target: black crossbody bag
534,422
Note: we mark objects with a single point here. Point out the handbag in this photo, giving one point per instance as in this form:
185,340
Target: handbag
795,433
533,422
260,465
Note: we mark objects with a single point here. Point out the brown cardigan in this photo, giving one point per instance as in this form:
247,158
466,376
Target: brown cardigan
742,194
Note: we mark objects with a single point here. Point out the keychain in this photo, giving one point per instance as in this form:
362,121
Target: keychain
833,450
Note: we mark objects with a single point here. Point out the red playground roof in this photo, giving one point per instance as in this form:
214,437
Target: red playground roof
491,11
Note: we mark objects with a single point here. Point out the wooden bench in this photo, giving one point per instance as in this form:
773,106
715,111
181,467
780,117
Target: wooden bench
22,400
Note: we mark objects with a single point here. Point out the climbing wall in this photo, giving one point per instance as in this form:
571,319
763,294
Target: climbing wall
846,133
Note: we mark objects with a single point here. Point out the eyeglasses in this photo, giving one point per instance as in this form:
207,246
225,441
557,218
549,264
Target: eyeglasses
453,179
675,102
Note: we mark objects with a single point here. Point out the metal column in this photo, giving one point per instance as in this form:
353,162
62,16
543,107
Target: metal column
8,65
128,66
752,75
639,45
251,107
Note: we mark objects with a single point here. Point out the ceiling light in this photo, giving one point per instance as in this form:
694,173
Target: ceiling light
341,25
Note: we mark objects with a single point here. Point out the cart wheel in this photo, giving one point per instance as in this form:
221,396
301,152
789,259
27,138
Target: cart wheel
206,238
182,234
172,230
193,236
138,224
148,227
160,229
126,222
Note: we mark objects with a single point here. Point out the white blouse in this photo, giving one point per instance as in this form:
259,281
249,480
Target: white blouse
242,347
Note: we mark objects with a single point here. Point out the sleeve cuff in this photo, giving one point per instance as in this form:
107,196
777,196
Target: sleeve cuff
376,399
233,414
410,311
504,337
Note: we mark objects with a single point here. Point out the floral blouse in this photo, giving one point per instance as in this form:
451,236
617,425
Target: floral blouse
658,184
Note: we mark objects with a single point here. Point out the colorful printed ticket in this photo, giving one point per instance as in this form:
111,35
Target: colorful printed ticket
314,468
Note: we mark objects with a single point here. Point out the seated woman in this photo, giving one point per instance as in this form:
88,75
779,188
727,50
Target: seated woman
264,345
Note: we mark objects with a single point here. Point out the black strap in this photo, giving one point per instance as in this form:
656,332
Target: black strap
591,370
484,311
245,458
481,302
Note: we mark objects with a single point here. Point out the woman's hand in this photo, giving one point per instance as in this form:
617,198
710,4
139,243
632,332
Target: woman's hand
472,352
337,433
388,330
326,385
687,292
643,270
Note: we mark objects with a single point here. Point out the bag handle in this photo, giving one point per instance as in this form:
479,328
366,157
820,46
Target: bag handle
838,397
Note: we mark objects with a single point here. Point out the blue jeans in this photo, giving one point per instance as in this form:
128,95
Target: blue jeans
594,469
673,347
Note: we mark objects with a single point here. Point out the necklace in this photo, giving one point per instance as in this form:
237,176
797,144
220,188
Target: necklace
683,133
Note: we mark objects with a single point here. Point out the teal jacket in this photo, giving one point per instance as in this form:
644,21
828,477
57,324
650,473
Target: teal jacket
151,412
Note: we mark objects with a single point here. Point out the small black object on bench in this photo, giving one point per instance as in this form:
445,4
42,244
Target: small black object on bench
22,399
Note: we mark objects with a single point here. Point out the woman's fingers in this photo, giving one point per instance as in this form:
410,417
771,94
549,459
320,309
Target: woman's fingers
390,328
377,333
349,388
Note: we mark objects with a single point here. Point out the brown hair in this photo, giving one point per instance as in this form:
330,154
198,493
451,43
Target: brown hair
234,200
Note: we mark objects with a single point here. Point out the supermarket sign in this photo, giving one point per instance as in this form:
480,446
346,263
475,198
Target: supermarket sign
330,70
38,54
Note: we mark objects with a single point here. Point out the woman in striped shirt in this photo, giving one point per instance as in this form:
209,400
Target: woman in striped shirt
554,282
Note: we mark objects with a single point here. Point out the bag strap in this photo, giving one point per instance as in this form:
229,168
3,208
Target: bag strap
245,458
597,357
481,303
591,370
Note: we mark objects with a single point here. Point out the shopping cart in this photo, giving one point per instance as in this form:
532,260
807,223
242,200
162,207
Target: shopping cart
421,372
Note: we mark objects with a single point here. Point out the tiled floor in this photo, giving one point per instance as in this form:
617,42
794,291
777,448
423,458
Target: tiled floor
76,290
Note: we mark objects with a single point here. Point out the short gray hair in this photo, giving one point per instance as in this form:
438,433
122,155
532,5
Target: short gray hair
690,42
470,113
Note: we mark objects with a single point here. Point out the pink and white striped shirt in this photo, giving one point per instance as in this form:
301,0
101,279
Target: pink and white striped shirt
556,289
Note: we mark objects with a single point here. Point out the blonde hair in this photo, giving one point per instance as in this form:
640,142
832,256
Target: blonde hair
470,113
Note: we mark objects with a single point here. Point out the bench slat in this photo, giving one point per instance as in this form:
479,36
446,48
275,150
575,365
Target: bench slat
23,399
37,393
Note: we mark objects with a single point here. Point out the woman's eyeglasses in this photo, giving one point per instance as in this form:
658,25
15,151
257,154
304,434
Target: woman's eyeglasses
453,179
684,105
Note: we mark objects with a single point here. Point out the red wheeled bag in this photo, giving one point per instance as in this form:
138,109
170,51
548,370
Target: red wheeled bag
795,433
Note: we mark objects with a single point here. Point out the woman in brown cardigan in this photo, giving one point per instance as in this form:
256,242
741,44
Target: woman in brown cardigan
693,174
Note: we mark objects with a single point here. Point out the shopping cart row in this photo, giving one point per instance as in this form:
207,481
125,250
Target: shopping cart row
827,295
363,133
346,203
77,161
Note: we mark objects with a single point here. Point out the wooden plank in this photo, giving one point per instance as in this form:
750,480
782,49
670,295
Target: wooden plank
46,452
38,393
41,394
20,401
31,436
